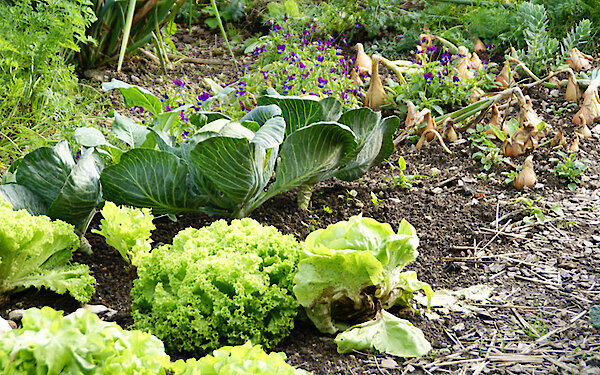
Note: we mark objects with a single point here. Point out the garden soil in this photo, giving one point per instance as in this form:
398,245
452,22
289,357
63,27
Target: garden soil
543,278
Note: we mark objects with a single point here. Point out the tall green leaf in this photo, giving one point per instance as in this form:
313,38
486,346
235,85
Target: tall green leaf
150,178
309,154
299,112
374,138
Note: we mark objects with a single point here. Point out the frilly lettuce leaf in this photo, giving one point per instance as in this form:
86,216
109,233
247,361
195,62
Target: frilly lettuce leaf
35,252
238,360
386,334
79,343
126,229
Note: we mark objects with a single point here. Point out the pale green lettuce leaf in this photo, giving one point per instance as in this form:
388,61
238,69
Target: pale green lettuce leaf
386,334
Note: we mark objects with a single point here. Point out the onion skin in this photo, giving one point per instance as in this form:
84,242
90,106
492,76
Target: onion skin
526,177
376,94
573,93
578,60
558,140
575,145
502,79
363,61
479,46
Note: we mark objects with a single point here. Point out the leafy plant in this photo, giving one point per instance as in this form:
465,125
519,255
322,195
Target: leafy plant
35,252
50,181
219,285
569,169
489,153
350,272
34,79
107,31
536,213
435,84
79,343
126,229
224,167
404,181
237,360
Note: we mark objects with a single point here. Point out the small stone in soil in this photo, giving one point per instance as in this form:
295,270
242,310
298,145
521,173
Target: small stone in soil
16,315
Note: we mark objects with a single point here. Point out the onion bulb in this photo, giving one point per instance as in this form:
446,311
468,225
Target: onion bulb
558,140
573,93
479,46
503,79
590,109
363,61
583,132
526,177
376,94
575,145
578,60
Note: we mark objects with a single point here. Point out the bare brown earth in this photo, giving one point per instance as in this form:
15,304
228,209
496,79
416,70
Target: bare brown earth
544,277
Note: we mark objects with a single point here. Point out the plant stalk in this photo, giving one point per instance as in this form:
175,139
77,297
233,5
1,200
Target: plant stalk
216,10
126,31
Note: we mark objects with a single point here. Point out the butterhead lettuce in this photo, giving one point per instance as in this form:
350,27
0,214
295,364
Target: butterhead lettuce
353,270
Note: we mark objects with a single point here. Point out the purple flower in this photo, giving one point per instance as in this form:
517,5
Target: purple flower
327,92
280,48
445,58
163,97
285,17
291,77
77,155
178,83
287,88
322,82
275,28
431,50
265,74
305,75
301,65
204,96
489,47
356,25
259,50
183,118
243,106
168,108
456,80
320,59
184,135
428,77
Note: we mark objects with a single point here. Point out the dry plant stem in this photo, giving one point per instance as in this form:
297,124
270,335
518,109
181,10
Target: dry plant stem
394,68
145,9
435,133
195,60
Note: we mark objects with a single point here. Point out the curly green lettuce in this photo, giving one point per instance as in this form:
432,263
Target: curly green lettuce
126,229
216,286
36,252
79,343
238,360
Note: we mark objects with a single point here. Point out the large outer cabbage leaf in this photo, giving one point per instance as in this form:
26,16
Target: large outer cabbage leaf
35,252
79,343
352,269
386,334
219,285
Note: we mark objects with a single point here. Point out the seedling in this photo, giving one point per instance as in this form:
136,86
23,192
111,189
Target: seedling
536,214
569,169
488,154
401,180
552,110
537,328
327,209
377,202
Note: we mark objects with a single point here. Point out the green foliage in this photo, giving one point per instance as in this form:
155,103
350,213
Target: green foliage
537,213
50,181
219,285
404,181
237,360
224,167
126,229
35,252
35,37
569,169
488,152
107,31
434,83
79,343
352,270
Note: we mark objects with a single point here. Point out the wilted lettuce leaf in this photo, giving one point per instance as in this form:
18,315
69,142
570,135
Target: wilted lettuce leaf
386,334
79,343
353,268
238,360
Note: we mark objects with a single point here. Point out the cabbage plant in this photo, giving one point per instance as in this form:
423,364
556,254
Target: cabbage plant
350,273
224,167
